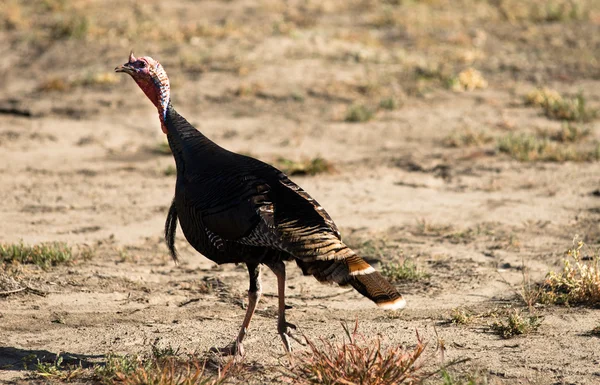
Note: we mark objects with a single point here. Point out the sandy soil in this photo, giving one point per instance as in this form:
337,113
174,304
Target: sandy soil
275,80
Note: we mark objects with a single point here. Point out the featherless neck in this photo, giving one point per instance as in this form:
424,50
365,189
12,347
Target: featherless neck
163,94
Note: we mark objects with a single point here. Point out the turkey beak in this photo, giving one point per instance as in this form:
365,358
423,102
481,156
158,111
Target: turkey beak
125,68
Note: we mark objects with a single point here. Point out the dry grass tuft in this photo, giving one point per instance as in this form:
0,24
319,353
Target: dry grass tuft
312,166
164,367
468,138
539,97
358,362
55,84
467,80
579,281
528,148
516,324
555,106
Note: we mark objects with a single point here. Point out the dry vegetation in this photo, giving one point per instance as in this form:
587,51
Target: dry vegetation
579,281
359,361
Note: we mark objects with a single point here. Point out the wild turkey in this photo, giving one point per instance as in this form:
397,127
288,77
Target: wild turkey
236,209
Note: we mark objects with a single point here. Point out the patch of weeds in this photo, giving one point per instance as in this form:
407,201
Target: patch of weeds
312,166
571,133
463,236
579,281
159,353
468,138
407,270
162,369
528,148
116,364
461,316
572,109
516,324
467,80
389,103
544,11
58,370
556,106
358,361
43,255
539,97
560,10
357,113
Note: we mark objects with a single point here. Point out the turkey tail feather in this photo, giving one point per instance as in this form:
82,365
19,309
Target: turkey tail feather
368,282
344,267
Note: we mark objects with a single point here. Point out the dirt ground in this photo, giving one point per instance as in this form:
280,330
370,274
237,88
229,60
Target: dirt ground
79,164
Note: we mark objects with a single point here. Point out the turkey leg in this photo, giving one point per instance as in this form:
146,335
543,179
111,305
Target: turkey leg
282,325
254,293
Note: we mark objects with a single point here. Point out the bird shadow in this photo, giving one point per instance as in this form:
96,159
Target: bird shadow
17,359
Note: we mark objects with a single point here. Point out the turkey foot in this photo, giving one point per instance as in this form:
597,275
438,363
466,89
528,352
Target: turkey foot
285,333
236,348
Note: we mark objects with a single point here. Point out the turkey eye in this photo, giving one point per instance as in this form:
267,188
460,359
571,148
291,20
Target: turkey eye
143,64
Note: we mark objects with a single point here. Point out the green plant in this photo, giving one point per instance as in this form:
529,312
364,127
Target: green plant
58,370
43,255
358,361
527,147
388,103
357,113
516,324
405,271
571,133
461,316
573,109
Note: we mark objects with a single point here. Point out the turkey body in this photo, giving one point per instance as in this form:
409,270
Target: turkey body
236,209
